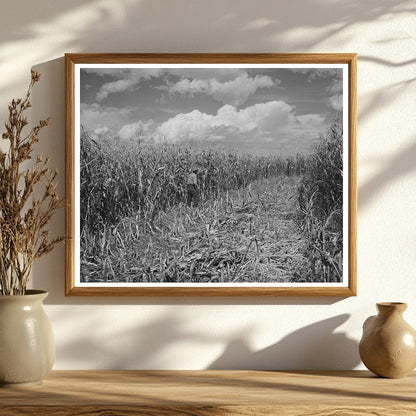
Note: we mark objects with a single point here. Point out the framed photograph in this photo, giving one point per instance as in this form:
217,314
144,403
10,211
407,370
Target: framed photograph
211,174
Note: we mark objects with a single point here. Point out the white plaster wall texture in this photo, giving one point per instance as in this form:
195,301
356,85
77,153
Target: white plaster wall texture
200,333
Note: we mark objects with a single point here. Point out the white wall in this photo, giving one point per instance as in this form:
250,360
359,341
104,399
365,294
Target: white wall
199,333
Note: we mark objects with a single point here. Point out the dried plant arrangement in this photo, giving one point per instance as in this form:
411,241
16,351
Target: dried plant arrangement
28,199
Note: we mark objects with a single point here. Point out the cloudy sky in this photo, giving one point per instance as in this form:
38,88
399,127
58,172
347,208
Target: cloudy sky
257,110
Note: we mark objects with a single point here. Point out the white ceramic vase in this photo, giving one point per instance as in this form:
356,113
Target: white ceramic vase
27,346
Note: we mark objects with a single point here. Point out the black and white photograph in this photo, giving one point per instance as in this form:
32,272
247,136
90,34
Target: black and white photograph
213,175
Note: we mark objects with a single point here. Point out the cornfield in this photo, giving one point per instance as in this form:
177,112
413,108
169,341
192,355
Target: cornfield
142,179
135,222
320,197
259,219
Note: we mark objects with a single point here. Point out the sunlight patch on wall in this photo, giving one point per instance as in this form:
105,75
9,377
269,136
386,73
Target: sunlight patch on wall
67,32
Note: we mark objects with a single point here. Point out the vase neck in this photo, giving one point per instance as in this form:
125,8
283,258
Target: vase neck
35,296
390,308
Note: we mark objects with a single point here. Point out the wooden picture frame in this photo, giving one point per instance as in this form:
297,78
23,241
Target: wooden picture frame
117,79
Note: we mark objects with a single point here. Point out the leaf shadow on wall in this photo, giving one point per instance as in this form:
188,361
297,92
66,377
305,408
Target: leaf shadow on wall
106,26
396,167
402,163
112,25
142,347
313,347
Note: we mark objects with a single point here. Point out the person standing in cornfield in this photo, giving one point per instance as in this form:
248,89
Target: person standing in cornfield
192,188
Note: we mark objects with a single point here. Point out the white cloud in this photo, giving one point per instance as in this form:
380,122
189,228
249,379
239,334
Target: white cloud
221,74
334,87
315,73
186,126
227,85
95,116
265,117
336,102
113,72
116,86
258,127
235,91
273,120
101,130
326,73
134,130
126,79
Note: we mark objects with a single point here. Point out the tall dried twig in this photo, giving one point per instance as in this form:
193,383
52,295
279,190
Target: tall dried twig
24,216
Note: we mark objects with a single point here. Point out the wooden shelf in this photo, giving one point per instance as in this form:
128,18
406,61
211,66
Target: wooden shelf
203,393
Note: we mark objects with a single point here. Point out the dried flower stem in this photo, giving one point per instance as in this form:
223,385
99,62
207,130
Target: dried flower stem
23,237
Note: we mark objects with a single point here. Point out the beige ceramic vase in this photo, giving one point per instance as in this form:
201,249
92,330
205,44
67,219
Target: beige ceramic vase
27,347
388,344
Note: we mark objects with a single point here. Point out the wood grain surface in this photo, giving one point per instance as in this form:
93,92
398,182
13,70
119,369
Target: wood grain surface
202,393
